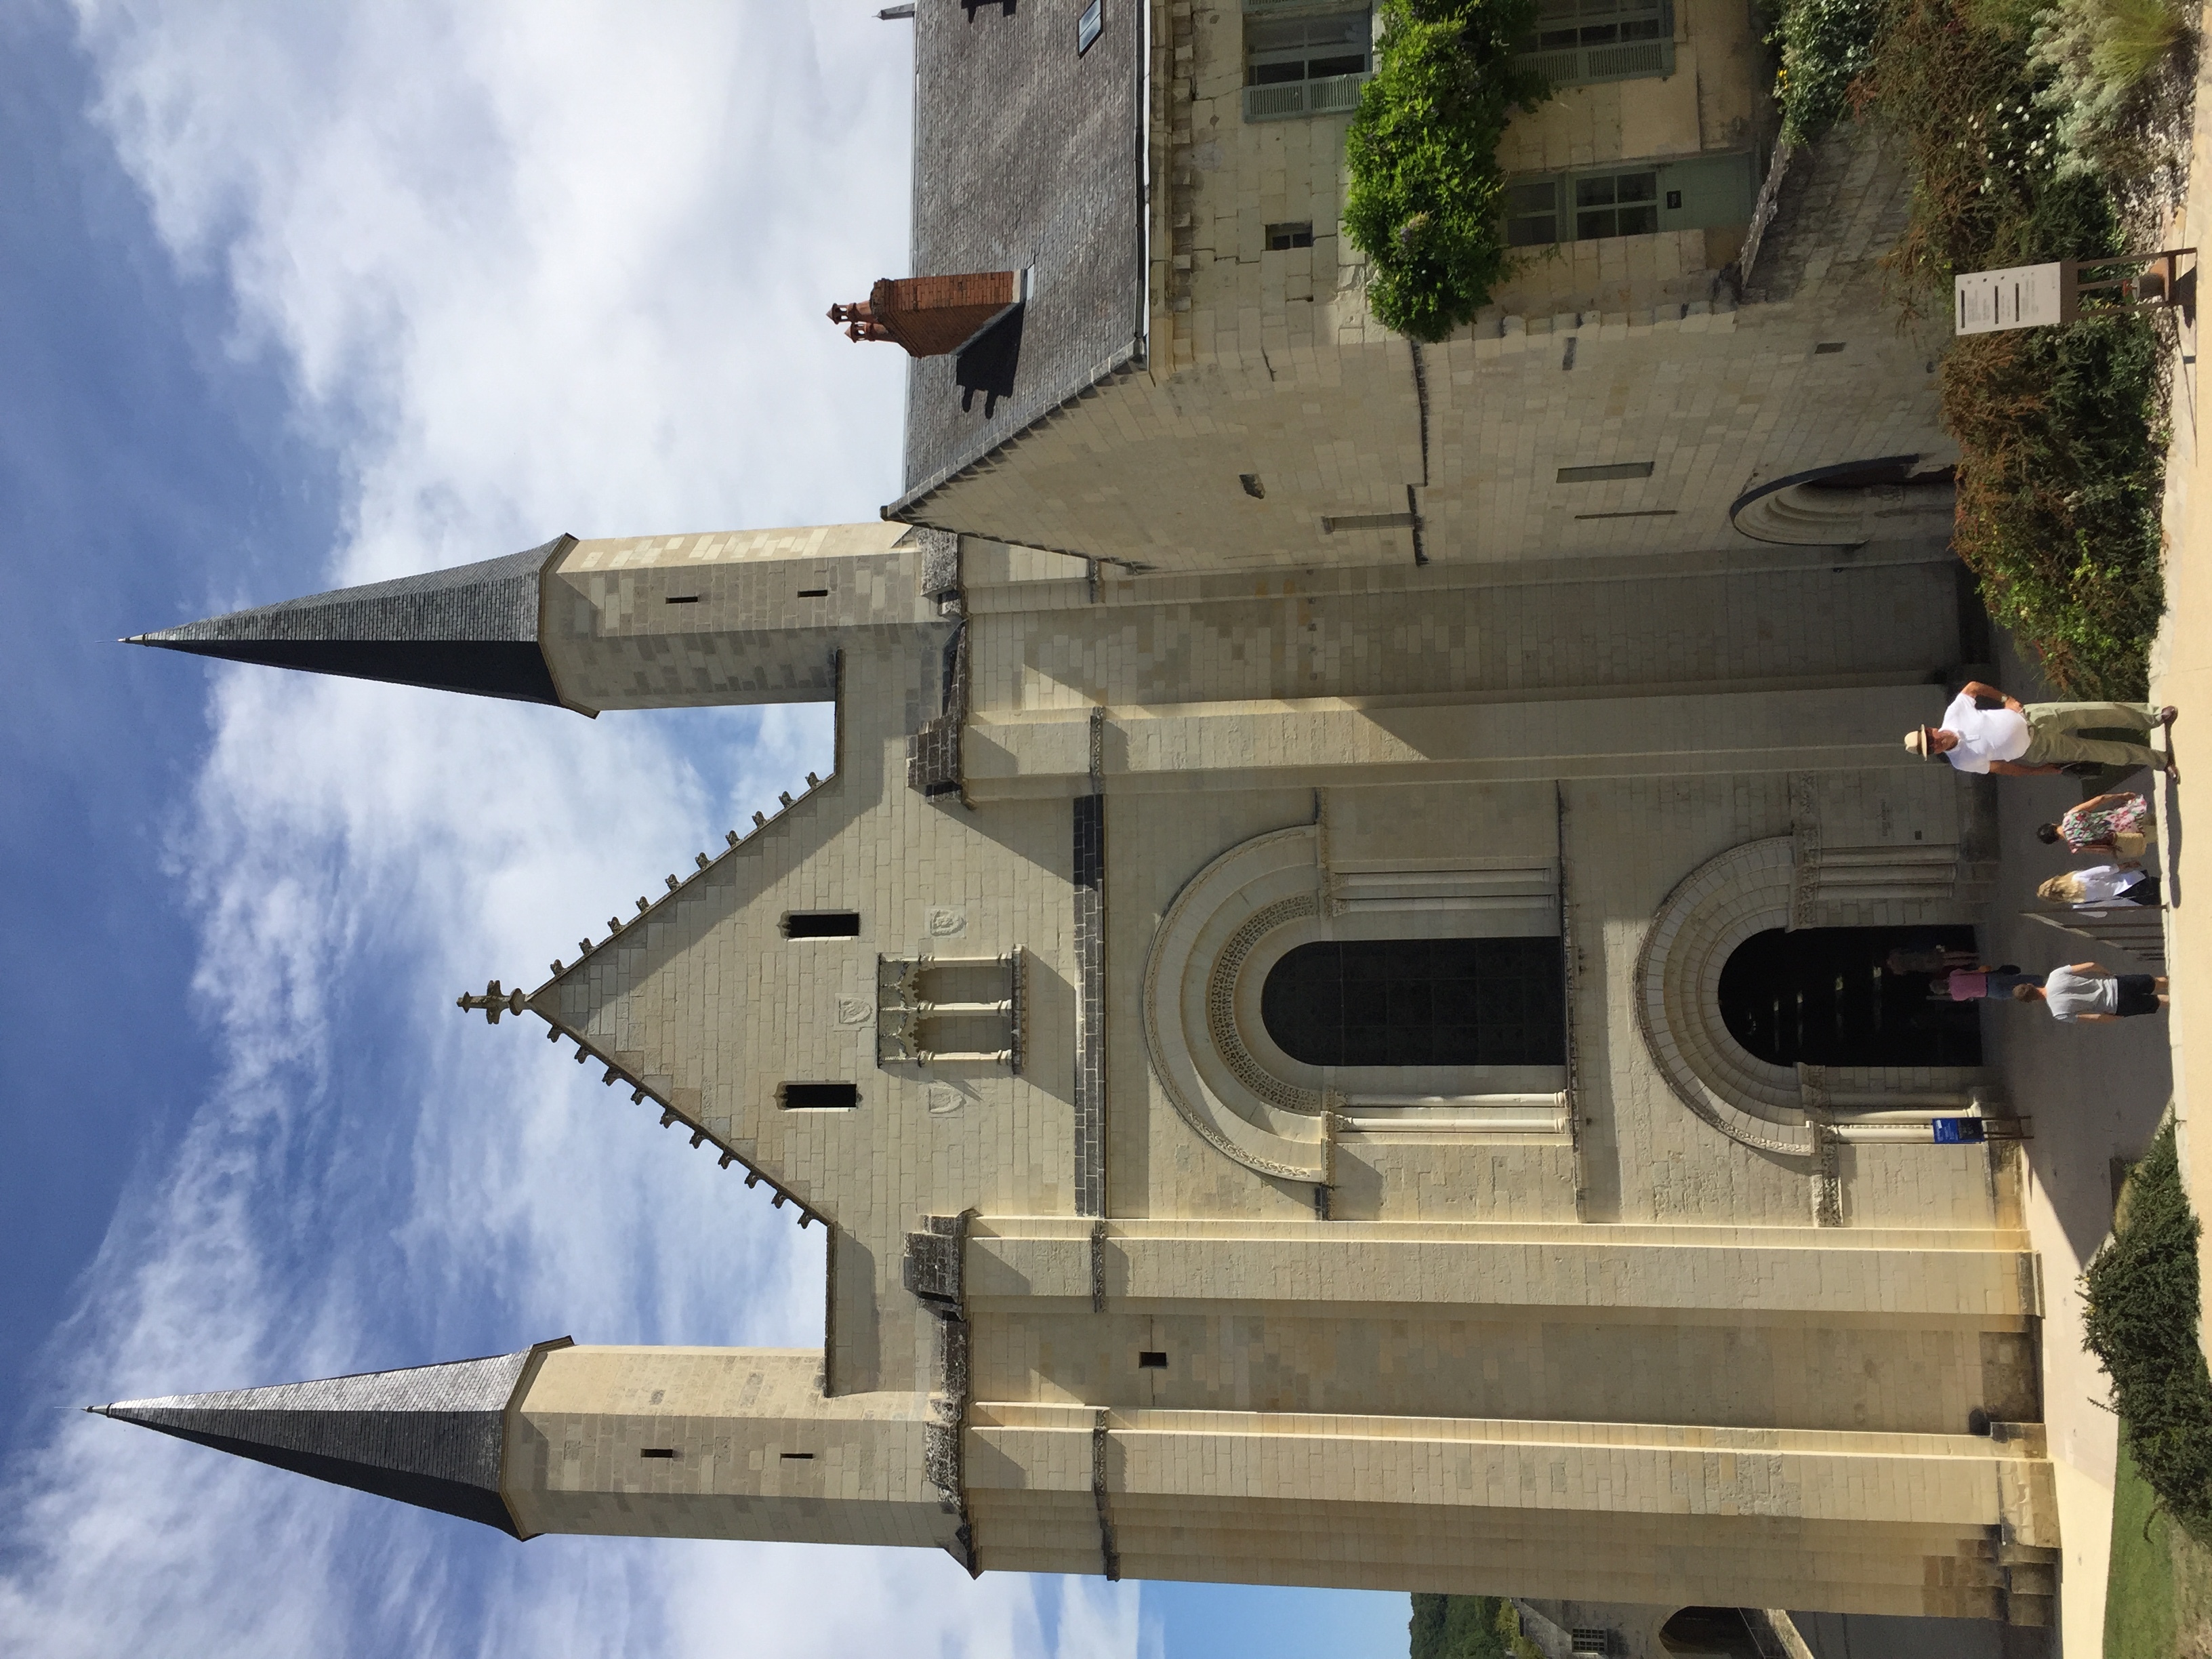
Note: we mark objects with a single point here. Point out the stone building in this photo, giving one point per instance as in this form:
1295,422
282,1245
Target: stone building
1333,1010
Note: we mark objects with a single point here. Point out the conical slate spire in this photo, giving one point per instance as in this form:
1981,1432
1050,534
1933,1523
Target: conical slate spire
471,628
430,1436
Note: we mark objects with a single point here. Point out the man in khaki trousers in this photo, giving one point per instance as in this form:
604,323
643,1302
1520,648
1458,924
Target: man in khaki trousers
2019,739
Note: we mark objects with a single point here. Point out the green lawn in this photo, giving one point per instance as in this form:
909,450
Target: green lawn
2158,1601
2139,1594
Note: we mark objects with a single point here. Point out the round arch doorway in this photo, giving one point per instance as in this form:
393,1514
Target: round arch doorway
1826,996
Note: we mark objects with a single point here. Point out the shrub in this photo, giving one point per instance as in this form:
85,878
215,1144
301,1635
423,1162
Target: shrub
1424,198
2060,430
2141,1291
1467,1627
1825,45
1957,84
2059,486
2061,468
2109,66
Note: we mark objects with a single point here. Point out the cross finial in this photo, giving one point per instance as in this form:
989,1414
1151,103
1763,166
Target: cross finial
493,1003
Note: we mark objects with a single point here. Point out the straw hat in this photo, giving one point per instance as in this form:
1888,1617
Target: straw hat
1921,741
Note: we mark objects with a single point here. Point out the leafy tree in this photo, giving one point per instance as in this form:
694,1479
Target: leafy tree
1425,203
1467,1627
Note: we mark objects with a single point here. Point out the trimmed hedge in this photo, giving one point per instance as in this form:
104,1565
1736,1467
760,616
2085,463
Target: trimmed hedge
2141,1291
1424,202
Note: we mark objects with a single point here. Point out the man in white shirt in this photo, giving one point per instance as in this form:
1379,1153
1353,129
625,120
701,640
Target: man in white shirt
2085,991
2017,739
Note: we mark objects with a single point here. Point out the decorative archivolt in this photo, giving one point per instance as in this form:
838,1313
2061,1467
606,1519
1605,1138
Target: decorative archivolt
1203,990
1191,1031
1221,1005
1746,891
1798,1111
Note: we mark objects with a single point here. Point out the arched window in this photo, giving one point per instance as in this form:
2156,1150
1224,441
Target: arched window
1832,996
1418,1002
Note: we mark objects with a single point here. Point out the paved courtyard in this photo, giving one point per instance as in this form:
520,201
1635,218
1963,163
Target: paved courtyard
2096,1093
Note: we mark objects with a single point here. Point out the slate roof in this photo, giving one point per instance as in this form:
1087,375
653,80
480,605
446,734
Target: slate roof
471,629
430,1435
1025,154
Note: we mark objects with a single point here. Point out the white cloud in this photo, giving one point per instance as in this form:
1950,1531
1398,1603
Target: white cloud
528,267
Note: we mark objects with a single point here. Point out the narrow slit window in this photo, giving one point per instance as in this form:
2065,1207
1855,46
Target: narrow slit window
681,598
1280,237
1606,473
1340,523
818,1097
1151,1359
796,1457
813,593
657,1451
822,924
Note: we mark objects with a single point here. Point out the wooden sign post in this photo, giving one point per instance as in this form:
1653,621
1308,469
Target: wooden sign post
2034,296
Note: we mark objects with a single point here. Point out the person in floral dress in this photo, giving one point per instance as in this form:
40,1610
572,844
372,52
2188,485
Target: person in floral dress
2116,825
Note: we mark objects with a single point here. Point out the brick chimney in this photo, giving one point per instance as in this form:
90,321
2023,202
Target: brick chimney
933,316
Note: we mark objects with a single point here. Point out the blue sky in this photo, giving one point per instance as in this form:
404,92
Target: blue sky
299,296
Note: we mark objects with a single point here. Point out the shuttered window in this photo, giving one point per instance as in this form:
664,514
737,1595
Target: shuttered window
1311,64
1579,42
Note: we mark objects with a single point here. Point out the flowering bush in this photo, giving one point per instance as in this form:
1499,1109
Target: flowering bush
2109,66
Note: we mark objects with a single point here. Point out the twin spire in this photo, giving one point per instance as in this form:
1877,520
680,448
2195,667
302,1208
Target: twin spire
432,1435
471,629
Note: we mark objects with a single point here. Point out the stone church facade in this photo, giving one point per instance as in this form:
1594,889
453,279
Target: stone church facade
1260,1008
